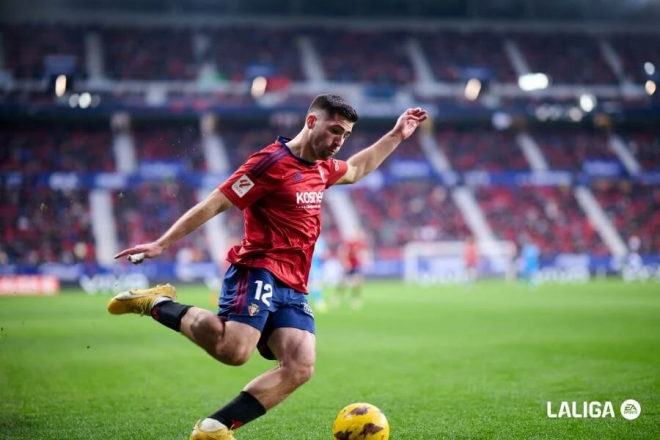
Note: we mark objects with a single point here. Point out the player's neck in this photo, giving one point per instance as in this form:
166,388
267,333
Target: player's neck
301,148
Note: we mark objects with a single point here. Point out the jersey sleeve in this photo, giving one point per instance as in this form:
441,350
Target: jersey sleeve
336,170
252,180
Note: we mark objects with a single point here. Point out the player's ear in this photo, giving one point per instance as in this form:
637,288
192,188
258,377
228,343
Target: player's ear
311,120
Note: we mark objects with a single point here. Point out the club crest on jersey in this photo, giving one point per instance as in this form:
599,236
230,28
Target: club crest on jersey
297,177
253,309
242,185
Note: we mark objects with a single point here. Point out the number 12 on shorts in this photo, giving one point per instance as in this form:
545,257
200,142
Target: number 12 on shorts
267,290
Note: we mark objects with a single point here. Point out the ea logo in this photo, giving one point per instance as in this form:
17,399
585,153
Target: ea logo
631,409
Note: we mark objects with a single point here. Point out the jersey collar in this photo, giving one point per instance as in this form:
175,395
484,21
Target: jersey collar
283,140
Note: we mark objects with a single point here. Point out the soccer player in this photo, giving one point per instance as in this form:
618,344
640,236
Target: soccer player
263,302
351,254
529,256
471,259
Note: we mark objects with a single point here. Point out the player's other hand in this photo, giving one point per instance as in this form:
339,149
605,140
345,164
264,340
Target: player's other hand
138,253
409,121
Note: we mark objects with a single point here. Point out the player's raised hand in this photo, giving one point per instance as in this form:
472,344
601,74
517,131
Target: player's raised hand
137,254
409,121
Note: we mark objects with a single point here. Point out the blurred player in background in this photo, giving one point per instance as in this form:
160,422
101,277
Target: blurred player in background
316,276
631,265
263,303
529,261
471,259
352,254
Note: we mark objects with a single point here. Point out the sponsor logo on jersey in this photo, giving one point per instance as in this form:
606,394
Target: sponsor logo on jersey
242,185
334,161
309,198
322,174
253,309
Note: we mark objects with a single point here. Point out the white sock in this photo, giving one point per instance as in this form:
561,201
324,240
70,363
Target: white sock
210,425
160,299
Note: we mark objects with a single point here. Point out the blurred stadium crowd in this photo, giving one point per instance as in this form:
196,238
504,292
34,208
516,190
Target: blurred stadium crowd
161,53
526,159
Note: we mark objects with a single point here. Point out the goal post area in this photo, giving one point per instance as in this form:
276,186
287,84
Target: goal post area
444,262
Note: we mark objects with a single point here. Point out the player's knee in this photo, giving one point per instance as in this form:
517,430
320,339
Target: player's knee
307,373
300,373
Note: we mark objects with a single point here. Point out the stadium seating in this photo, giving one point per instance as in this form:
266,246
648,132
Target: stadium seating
471,148
242,53
635,50
388,63
568,149
549,216
633,209
40,225
148,54
144,212
401,212
566,58
645,146
410,211
177,144
27,46
32,148
458,56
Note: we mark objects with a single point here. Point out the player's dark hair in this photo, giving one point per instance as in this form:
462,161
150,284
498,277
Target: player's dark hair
334,105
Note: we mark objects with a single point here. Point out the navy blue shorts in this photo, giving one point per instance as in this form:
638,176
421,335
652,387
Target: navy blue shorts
255,297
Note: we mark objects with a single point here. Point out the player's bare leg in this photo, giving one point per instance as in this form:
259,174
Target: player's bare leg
356,291
295,350
230,342
341,291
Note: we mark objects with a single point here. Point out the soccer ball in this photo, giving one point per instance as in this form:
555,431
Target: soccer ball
361,421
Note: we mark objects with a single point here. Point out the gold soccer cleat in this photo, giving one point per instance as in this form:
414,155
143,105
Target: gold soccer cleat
139,300
222,433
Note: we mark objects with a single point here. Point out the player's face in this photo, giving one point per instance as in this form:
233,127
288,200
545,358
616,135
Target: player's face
328,133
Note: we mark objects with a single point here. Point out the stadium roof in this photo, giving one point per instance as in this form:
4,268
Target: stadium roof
646,11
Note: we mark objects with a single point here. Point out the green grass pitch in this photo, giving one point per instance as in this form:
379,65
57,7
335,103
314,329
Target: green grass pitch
441,362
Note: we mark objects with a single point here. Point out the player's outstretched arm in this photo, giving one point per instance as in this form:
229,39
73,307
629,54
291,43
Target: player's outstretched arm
196,216
370,158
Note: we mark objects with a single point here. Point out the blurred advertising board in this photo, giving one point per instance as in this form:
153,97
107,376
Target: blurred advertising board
29,285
